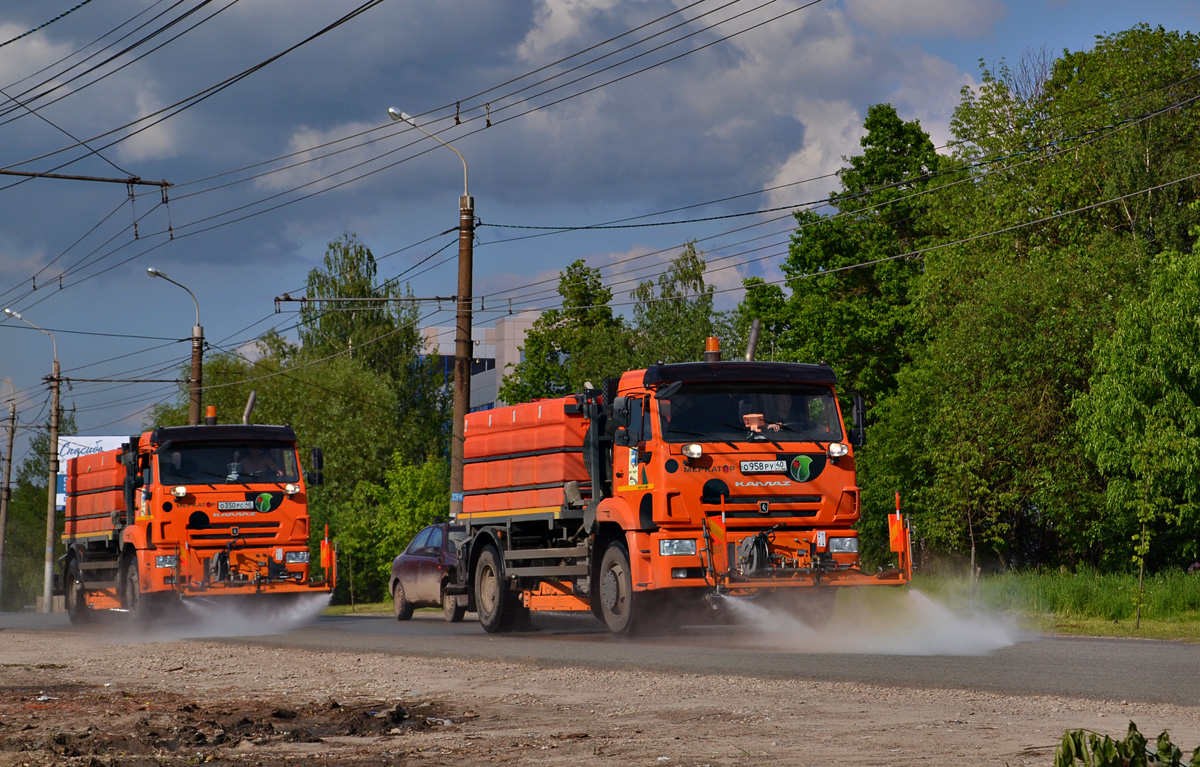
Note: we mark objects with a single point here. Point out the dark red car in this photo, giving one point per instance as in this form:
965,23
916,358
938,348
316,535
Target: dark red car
420,575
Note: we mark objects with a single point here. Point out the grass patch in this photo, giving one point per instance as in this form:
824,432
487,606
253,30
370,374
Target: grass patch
1083,603
372,608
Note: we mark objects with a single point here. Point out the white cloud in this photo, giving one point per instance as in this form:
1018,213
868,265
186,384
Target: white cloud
928,18
155,142
558,23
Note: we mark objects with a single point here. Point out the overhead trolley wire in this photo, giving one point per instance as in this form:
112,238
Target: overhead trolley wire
45,24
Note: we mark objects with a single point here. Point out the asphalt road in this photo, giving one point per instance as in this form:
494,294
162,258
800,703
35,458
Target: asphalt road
1103,669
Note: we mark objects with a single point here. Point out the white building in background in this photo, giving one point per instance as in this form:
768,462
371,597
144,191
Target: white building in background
499,347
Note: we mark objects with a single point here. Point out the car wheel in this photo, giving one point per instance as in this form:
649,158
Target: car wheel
453,611
401,607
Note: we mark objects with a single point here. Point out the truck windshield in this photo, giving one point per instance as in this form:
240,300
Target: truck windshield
750,413
218,463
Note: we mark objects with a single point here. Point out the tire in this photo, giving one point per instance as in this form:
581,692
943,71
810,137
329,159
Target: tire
618,603
401,607
133,600
453,611
498,609
77,608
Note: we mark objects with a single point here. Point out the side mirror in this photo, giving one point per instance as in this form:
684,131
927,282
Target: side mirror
621,421
858,434
316,461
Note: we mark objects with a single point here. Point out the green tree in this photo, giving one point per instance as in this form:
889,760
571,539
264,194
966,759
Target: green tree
25,538
382,333
848,293
980,435
1140,420
581,341
673,316
384,517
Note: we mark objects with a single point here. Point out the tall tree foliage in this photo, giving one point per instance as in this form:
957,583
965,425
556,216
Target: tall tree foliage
980,435
847,292
382,334
1140,421
581,341
585,341
25,537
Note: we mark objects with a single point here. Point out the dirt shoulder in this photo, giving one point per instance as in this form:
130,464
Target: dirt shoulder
65,700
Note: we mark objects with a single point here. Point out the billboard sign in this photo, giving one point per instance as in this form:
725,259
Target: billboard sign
73,447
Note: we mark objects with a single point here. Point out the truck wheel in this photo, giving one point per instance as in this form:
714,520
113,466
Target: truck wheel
453,611
132,599
618,603
77,608
498,610
401,607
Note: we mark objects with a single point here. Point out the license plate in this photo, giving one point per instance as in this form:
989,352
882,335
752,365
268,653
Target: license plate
234,505
763,467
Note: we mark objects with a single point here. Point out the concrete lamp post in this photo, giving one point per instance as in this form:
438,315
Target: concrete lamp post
462,336
197,351
52,487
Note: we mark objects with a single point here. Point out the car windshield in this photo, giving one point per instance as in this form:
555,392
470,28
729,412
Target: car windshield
741,413
215,463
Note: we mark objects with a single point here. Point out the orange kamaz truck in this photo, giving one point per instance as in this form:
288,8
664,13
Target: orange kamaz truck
190,512
672,488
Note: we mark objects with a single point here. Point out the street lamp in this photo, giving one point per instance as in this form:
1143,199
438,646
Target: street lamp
197,351
462,336
52,486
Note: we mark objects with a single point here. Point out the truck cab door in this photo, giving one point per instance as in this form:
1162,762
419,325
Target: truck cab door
633,433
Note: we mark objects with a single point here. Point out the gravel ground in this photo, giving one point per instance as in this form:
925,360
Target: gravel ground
68,700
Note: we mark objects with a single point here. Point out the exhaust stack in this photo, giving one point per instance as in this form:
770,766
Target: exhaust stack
249,407
752,344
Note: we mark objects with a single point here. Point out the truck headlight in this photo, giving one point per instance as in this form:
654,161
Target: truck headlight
838,449
290,489
692,451
301,557
677,548
843,545
179,491
165,561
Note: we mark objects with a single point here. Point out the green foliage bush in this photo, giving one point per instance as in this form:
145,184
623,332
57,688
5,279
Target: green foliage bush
1094,750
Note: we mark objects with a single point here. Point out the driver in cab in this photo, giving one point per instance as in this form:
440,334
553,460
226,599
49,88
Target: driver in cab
777,413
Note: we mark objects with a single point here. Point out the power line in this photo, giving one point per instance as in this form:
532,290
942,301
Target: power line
45,24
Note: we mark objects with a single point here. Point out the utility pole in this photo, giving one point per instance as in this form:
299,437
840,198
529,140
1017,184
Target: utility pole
6,490
51,492
463,348
197,351
52,485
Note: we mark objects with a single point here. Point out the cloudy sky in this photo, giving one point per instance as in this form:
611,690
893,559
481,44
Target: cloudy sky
269,120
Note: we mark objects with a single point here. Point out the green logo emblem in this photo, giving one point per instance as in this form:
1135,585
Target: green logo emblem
799,468
263,502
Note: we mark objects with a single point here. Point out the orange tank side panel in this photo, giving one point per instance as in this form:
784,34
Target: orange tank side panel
508,434
92,513
95,471
94,490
